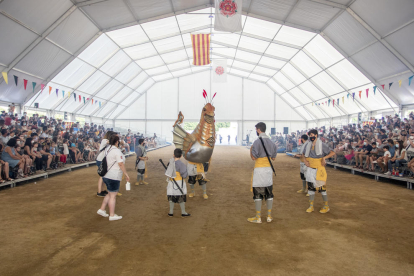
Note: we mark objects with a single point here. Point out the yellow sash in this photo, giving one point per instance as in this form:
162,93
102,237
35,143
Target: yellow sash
261,162
200,167
302,158
178,177
316,163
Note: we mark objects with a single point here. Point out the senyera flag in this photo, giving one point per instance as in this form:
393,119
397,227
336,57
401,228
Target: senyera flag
201,49
228,16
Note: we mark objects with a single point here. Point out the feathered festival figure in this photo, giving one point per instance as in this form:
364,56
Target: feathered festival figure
198,146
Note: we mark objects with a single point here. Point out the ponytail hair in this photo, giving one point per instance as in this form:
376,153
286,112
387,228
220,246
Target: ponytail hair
113,139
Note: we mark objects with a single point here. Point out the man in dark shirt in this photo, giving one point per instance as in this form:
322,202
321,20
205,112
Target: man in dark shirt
366,150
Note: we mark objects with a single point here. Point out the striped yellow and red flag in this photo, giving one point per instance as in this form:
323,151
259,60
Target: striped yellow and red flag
201,49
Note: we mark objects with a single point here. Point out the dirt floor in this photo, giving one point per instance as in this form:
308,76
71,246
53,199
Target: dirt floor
51,228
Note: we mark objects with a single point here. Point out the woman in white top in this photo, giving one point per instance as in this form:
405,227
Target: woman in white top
116,167
400,157
101,154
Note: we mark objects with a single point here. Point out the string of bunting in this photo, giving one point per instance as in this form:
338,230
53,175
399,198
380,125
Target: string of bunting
352,94
42,87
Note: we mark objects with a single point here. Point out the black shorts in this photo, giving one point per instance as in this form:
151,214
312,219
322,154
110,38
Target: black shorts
141,171
311,187
205,165
302,176
177,199
263,192
193,179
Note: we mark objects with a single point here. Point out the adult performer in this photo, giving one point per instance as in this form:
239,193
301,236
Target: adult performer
303,167
140,164
315,154
262,180
196,173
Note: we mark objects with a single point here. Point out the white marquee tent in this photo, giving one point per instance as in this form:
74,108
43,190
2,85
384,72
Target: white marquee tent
135,58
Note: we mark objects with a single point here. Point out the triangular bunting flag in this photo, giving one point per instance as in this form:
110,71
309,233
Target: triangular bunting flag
389,85
375,88
383,88
347,96
25,84
57,91
410,79
92,101
42,86
329,102
360,92
68,94
312,104
74,95
80,98
63,94
16,79
367,91
353,96
34,85
333,103
84,100
399,83
337,101
99,104
343,99
50,89
5,77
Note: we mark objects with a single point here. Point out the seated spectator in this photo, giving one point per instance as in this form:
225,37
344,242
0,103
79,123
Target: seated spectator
10,156
4,169
400,157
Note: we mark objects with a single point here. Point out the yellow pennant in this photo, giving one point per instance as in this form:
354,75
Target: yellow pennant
6,79
399,83
68,94
343,100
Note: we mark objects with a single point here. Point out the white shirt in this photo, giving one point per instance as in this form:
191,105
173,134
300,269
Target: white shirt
113,157
104,143
387,153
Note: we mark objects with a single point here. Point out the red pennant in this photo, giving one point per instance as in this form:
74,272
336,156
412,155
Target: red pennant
360,94
382,85
50,89
25,84
367,92
92,101
333,103
80,98
43,87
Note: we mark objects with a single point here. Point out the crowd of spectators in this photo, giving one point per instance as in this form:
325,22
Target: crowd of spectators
32,144
386,142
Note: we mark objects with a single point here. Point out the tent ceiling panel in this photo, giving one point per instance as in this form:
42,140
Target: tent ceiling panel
105,109
28,12
174,56
116,64
109,13
121,95
252,43
288,98
129,36
163,77
161,69
312,91
285,82
349,33
160,28
128,73
109,89
73,32
295,75
304,63
405,94
312,14
14,39
74,74
379,62
276,87
92,84
331,111
265,71
181,72
258,77
281,51
141,51
43,60
278,9
99,51
304,113
294,36
247,56
191,21
239,72
328,84
347,73
230,39
403,41
145,86
179,64
322,51
298,94
271,62
150,62
261,28
231,52
138,80
349,105
144,10
243,65
398,13
116,112
315,111
166,44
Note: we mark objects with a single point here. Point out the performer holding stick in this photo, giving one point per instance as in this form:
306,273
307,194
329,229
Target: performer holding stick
303,167
262,152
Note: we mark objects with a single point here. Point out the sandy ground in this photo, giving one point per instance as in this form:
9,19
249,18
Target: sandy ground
51,228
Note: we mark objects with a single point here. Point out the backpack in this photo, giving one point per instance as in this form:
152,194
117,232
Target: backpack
103,167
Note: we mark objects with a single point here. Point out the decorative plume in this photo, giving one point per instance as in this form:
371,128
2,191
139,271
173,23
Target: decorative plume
204,93
214,96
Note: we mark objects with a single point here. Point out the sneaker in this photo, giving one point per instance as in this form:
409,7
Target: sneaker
118,194
170,215
192,194
205,196
185,215
106,192
101,194
301,191
269,219
254,220
388,173
102,213
115,217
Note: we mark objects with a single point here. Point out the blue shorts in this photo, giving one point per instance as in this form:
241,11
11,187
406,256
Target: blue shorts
98,163
112,185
